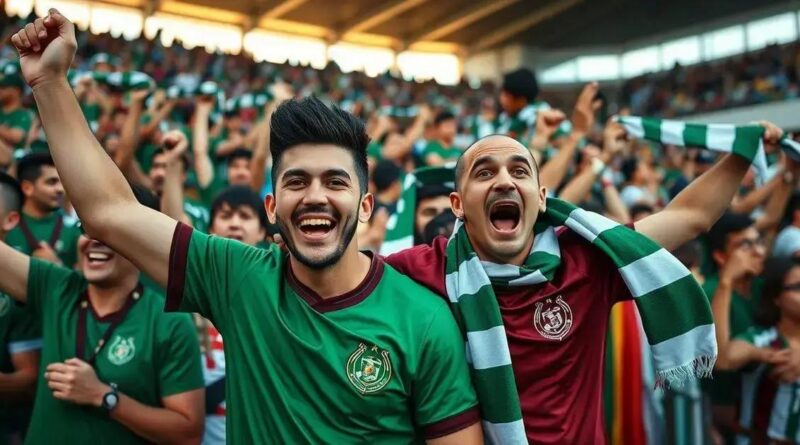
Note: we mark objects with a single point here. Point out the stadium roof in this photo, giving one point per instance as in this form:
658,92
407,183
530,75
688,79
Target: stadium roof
464,26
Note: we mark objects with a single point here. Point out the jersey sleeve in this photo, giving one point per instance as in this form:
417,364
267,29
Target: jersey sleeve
48,283
25,332
180,367
206,271
423,264
445,401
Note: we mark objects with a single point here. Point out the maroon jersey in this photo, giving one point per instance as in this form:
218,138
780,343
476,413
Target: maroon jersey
556,334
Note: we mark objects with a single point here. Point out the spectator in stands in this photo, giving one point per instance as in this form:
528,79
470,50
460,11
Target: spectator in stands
15,120
518,101
440,149
20,336
386,178
432,201
641,183
787,243
43,231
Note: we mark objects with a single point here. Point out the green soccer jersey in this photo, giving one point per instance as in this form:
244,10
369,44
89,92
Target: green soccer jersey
19,118
384,363
722,388
30,231
19,332
150,355
768,407
435,147
198,214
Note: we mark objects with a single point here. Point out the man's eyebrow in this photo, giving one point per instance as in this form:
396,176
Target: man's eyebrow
302,173
336,172
294,173
486,159
521,159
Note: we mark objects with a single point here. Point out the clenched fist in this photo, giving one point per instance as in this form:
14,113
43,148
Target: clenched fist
46,48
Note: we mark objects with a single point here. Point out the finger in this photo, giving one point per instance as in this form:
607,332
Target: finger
23,37
58,386
75,362
60,395
33,37
57,367
58,377
41,31
597,104
15,40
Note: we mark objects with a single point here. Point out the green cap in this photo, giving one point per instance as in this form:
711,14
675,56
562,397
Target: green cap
10,76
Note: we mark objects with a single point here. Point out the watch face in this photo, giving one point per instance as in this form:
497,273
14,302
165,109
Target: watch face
110,400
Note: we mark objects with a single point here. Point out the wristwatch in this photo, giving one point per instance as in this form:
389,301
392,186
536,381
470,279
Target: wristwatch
110,399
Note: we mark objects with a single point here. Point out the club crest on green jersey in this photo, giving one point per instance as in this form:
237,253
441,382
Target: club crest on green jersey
369,369
121,350
5,304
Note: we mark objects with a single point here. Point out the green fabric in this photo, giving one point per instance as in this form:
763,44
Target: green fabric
287,363
208,193
124,81
19,332
375,150
198,214
156,355
723,389
435,147
42,228
18,119
675,314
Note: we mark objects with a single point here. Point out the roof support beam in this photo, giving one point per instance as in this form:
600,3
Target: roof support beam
461,20
520,25
381,13
280,9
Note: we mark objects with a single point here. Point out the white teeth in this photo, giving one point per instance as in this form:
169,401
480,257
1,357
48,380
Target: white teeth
96,256
315,222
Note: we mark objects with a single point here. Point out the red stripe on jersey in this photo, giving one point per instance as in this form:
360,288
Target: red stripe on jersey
179,251
452,424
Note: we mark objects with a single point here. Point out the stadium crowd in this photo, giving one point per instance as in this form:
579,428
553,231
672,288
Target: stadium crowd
200,138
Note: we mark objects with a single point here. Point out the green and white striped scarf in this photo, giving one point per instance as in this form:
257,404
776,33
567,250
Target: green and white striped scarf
400,227
674,310
207,88
125,81
248,100
744,140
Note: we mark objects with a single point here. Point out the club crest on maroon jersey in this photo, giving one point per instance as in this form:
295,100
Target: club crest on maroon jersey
553,318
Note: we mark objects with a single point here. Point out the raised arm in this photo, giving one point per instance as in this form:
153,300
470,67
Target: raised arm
749,202
696,209
175,144
202,162
99,192
129,139
14,279
411,135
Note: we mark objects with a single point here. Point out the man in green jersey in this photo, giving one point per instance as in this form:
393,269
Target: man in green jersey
20,336
324,345
15,120
441,149
43,231
117,369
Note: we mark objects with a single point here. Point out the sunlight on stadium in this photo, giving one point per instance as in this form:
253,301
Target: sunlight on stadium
454,222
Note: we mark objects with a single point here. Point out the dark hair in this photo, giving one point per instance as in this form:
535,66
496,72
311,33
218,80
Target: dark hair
727,224
161,151
441,225
432,191
385,174
641,208
240,196
444,116
29,168
239,153
11,197
628,168
146,197
521,83
775,270
309,121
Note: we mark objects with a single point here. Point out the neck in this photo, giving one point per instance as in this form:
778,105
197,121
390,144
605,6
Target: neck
337,279
31,209
742,286
790,329
12,105
111,298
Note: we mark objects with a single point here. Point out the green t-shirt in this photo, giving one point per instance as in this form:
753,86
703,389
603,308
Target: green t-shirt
92,113
382,364
723,388
19,118
435,147
42,229
375,150
19,332
198,214
151,355
208,193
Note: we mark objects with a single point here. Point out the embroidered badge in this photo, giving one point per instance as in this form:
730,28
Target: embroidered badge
369,369
121,350
553,318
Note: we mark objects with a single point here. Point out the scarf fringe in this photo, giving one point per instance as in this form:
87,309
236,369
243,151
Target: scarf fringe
698,368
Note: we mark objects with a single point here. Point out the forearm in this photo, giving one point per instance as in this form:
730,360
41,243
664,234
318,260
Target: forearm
614,205
129,137
6,154
700,208
11,136
202,163
555,169
720,308
158,425
773,212
258,167
172,195
17,385
753,199
227,147
579,187
14,278
92,180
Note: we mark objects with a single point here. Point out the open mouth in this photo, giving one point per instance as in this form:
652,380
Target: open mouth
316,227
96,258
505,216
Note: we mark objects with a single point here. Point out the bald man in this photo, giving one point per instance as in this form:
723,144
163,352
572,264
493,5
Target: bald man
558,361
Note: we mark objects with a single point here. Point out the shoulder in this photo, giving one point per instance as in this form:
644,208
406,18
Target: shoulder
421,260
419,302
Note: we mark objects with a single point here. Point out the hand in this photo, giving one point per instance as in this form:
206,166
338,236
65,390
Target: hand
786,364
46,48
282,92
75,381
45,252
139,95
740,264
425,113
614,135
278,240
175,145
585,108
204,104
772,133
547,122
